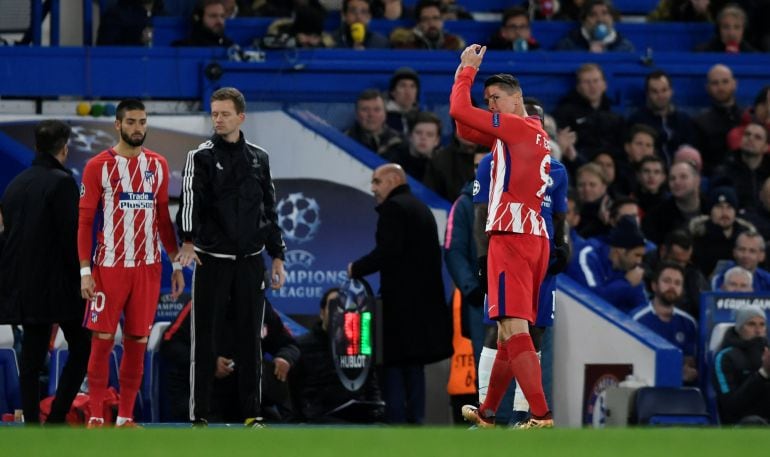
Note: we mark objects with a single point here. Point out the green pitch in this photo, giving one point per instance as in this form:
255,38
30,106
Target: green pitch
385,442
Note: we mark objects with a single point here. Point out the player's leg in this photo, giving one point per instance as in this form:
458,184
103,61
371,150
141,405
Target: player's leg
211,285
139,316
102,317
34,348
79,346
523,358
248,301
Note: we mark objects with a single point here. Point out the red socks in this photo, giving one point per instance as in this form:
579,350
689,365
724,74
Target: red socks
499,379
131,370
516,358
526,369
98,374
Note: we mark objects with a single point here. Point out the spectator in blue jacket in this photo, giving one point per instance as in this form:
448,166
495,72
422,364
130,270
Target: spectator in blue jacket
749,252
662,317
613,271
597,30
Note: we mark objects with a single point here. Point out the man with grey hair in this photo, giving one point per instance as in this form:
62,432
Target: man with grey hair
737,279
749,253
742,370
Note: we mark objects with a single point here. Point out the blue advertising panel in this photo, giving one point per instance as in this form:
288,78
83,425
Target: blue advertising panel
325,225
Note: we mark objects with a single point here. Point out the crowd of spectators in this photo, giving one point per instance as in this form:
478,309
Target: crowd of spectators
737,27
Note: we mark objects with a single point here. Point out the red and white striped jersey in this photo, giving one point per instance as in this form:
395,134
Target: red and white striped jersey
131,195
521,160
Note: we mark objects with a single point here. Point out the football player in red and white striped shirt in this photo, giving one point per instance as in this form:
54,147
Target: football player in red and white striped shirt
518,240
126,186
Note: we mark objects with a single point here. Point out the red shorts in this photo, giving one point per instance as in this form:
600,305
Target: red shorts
516,266
133,291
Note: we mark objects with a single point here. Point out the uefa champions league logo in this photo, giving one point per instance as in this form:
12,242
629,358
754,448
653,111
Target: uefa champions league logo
299,217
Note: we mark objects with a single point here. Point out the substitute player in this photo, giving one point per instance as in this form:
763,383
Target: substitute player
518,239
553,210
127,187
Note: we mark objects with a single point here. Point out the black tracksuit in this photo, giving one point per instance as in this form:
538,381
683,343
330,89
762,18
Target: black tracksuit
228,212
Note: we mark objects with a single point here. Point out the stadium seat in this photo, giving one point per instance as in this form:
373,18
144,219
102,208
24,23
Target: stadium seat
10,396
717,335
669,406
60,353
150,390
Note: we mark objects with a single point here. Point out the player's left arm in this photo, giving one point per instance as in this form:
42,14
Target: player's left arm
166,230
274,242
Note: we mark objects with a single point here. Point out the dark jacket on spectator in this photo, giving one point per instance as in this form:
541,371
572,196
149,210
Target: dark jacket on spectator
674,130
665,218
377,143
716,45
747,182
124,22
711,126
449,170
598,129
200,36
741,390
710,244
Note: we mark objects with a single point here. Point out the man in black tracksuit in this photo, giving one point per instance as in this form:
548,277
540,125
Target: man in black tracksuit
227,217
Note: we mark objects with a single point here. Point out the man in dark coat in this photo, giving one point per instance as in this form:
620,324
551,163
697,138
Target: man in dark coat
39,276
416,319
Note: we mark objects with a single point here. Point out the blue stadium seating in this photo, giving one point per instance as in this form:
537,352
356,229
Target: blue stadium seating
669,406
664,36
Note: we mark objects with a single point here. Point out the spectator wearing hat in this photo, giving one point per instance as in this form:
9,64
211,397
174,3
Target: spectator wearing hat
663,317
714,234
680,207
613,271
354,30
737,279
403,99
749,166
597,31
515,32
748,253
742,370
